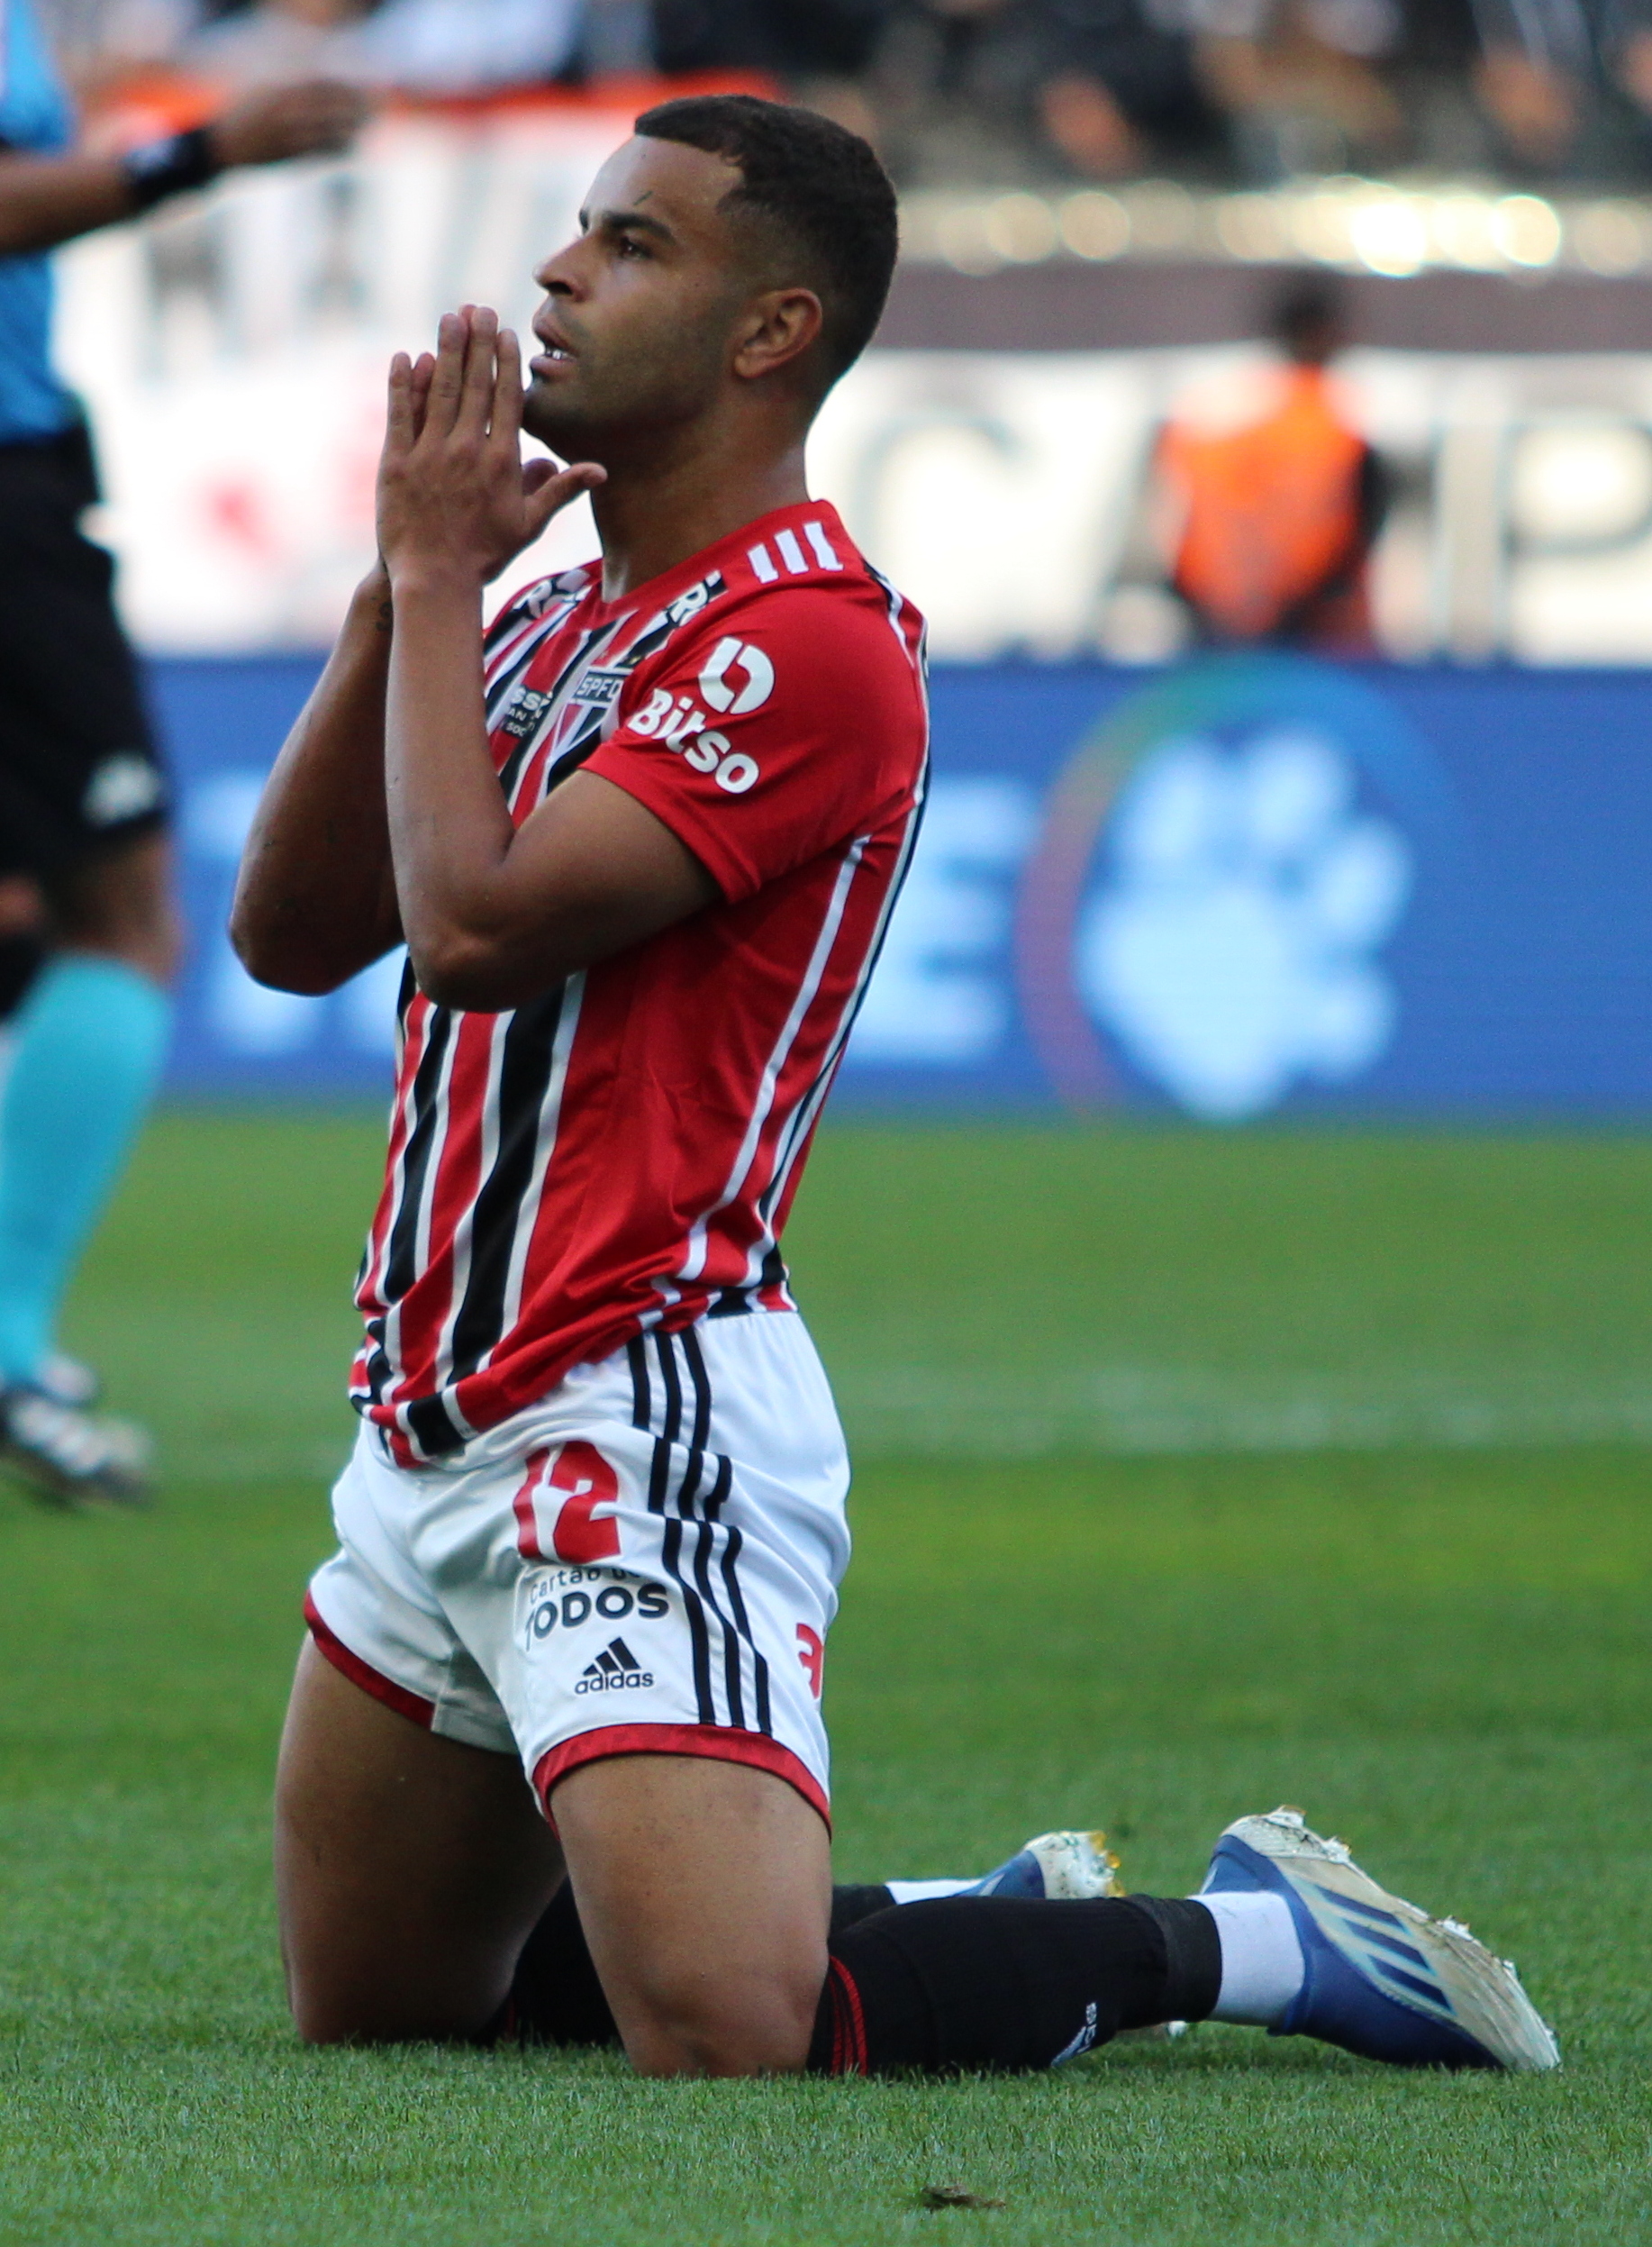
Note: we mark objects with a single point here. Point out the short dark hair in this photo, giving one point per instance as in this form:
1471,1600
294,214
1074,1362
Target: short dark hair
814,184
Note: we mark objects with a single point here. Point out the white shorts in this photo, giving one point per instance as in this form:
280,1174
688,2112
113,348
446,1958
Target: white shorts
646,1562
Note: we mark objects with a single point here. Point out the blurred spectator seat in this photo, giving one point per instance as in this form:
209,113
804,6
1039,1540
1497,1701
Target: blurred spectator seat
438,47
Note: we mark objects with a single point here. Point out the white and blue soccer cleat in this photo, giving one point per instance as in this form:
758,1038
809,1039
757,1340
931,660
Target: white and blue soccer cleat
1063,1868
1383,1979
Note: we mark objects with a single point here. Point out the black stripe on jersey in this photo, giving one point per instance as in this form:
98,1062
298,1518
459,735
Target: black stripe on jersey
671,1534
731,1639
729,1303
432,1428
732,1541
525,1066
637,1358
704,1545
377,1370
695,1359
402,1247
700,1639
671,1421
706,1540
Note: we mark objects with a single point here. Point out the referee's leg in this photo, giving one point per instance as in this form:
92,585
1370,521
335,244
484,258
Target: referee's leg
119,905
89,1039
83,806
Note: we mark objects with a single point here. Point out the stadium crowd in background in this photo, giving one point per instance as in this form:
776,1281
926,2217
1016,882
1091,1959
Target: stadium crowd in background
1249,90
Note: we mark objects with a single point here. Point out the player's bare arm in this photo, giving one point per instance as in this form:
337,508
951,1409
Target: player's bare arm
490,913
46,200
315,899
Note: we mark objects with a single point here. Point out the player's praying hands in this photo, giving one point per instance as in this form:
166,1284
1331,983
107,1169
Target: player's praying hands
455,500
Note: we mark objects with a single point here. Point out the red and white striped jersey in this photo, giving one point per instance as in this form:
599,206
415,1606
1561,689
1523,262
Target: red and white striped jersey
620,1153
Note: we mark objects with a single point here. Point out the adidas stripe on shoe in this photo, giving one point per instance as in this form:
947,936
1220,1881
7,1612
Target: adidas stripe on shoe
1382,1979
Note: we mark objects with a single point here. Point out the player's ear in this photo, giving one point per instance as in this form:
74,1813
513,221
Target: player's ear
776,330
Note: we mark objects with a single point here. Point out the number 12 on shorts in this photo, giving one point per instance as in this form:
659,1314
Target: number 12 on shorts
581,1480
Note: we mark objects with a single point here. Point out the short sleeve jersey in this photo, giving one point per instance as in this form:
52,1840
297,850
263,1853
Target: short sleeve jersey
620,1153
35,119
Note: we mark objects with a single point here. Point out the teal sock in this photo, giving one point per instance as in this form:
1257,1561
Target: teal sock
87,1052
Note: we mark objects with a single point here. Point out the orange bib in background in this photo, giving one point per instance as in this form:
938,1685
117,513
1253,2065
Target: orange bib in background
1270,509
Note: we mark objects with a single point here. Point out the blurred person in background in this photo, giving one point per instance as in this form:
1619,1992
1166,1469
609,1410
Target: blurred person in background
1120,84
1301,82
1566,84
1104,87
90,935
1275,514
819,51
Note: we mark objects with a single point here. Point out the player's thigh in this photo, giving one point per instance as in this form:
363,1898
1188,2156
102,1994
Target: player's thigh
410,1868
705,1890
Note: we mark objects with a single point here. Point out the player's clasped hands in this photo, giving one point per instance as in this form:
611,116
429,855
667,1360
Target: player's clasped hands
455,497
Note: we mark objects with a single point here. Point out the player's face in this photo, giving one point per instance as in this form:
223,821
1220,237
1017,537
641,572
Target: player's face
636,329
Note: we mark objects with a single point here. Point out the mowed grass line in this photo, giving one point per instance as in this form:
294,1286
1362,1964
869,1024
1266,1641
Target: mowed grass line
1443,1654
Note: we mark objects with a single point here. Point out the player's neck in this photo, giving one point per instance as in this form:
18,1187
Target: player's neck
651,520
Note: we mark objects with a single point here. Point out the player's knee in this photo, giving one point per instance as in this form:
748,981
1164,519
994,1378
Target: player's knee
328,2012
753,2026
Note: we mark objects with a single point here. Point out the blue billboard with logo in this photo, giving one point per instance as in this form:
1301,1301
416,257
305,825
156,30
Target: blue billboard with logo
1245,886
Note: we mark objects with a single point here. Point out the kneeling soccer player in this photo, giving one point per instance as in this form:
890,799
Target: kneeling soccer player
641,841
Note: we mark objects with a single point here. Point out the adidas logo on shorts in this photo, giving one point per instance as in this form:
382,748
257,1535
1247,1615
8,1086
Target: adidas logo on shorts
616,1669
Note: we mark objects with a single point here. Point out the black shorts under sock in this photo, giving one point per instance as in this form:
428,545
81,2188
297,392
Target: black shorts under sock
1002,1984
557,1998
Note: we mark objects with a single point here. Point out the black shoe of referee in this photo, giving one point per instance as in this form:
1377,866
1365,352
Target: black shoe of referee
66,1457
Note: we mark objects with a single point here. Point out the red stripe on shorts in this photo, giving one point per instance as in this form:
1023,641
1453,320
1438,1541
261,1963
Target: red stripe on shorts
719,1744
413,1705
849,2023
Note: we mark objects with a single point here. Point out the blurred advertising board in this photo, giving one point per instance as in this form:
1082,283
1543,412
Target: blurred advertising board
1229,888
232,352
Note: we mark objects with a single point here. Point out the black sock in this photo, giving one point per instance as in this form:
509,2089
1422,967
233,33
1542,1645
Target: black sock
851,1905
556,1997
1001,1984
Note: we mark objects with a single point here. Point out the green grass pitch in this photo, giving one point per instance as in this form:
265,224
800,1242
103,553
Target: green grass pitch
1197,1473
